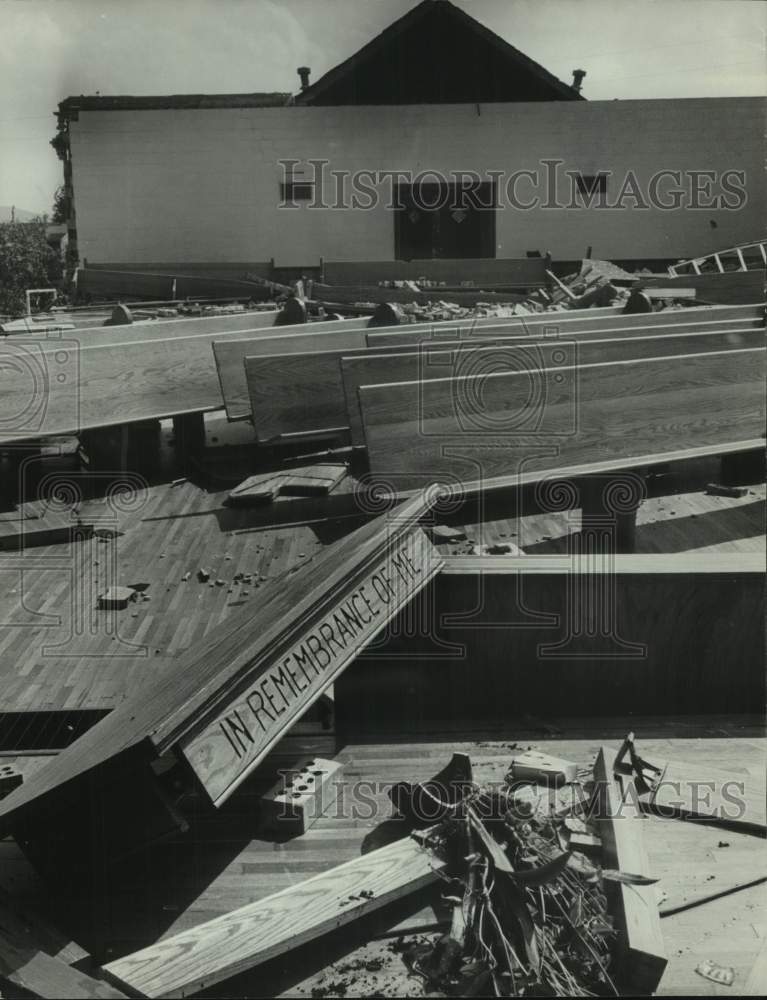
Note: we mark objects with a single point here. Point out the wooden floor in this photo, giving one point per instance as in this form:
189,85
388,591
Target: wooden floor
220,866
58,652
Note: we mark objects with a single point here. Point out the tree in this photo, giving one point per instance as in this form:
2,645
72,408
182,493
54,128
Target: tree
26,261
60,206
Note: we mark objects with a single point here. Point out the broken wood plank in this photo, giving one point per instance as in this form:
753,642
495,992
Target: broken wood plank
217,950
626,410
641,951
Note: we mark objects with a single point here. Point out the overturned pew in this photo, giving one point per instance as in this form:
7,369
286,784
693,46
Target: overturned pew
308,392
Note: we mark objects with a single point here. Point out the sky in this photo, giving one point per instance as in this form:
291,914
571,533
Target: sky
52,49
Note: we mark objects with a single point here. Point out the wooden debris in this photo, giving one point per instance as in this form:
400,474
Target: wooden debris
256,490
241,940
642,952
301,795
313,480
542,768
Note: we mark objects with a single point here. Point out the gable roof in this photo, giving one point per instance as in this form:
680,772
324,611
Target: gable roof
436,53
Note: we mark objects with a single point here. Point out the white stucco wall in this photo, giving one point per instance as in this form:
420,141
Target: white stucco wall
203,185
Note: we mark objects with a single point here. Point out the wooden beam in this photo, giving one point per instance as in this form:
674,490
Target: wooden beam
374,368
241,940
642,954
593,417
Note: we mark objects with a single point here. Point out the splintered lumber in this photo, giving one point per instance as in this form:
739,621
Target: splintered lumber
642,954
697,790
241,940
598,416
37,963
374,368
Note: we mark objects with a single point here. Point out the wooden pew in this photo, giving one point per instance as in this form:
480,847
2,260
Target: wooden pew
352,336
514,428
428,364
56,386
230,356
304,393
576,320
165,329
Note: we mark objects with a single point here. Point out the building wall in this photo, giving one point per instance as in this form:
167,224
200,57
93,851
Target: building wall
204,185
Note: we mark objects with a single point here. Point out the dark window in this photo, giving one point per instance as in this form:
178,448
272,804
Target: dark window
297,191
591,184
